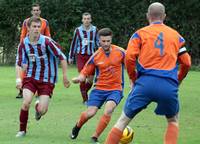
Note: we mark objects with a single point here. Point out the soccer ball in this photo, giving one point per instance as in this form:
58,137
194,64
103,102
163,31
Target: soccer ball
127,135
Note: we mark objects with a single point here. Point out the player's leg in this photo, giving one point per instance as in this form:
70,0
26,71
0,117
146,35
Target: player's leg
104,120
44,91
137,100
27,99
116,132
85,116
84,86
41,106
168,105
171,134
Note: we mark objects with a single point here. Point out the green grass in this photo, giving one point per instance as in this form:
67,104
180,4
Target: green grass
65,107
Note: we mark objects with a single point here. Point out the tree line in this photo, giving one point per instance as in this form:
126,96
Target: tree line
124,17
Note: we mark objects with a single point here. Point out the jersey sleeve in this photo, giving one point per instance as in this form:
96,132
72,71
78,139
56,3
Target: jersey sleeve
20,58
47,29
73,46
23,31
185,64
54,49
89,68
132,53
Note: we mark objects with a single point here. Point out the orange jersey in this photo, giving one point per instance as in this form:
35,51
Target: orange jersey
44,28
108,68
158,48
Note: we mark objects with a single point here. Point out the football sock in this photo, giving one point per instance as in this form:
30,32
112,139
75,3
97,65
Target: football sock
23,118
114,136
83,119
105,119
171,134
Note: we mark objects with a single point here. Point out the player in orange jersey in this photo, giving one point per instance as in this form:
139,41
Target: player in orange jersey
157,48
107,62
44,30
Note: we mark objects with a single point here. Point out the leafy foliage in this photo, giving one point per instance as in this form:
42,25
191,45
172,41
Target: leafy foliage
124,17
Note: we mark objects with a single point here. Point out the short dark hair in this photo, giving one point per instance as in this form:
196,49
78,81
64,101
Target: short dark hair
35,5
105,32
85,14
33,19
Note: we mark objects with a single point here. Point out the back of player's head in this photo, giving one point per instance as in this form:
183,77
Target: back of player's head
33,19
105,32
156,10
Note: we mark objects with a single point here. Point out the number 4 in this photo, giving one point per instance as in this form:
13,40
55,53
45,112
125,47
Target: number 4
159,43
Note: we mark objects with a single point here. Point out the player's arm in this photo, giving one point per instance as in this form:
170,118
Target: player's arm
96,40
23,31
132,53
19,64
73,47
87,72
185,63
64,71
56,52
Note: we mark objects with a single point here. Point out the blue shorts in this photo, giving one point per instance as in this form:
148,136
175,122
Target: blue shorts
98,97
149,89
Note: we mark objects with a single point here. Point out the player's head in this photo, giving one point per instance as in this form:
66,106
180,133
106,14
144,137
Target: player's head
36,10
34,26
156,12
105,38
86,19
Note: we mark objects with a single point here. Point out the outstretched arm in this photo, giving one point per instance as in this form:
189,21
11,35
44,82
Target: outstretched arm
66,82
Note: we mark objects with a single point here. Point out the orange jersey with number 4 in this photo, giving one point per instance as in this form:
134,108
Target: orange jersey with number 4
158,48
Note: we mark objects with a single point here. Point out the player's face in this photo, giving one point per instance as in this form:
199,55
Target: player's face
105,42
86,19
34,29
36,11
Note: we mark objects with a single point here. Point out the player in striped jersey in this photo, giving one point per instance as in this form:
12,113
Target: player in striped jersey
83,45
158,49
44,30
41,54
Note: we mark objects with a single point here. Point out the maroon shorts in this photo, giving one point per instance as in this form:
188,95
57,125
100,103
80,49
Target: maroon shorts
42,88
81,59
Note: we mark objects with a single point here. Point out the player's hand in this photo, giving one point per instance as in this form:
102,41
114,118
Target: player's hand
70,61
66,82
89,79
80,78
75,80
18,83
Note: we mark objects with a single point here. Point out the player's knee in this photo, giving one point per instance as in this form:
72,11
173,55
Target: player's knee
25,105
43,110
109,111
173,119
91,113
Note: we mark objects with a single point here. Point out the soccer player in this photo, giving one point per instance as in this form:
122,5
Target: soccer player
157,48
108,63
44,30
84,44
42,55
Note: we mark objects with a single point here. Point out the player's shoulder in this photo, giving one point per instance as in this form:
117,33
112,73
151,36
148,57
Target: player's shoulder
93,27
26,21
43,19
116,47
